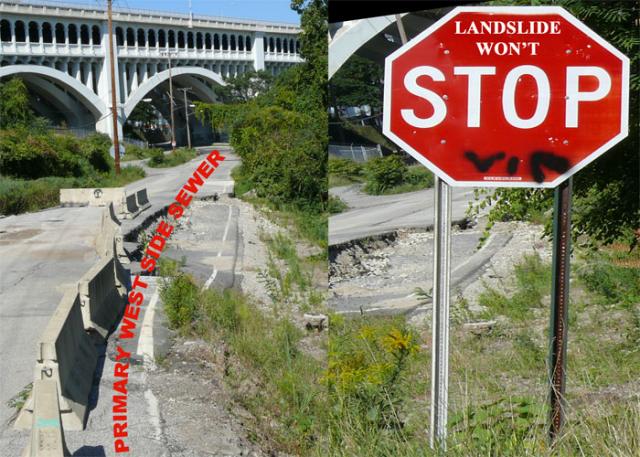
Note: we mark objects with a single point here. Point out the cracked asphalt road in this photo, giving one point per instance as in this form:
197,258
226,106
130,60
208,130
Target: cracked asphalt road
376,214
45,252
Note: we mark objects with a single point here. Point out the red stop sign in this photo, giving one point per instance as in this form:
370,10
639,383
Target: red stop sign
506,96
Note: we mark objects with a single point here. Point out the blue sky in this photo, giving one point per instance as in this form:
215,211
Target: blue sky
266,10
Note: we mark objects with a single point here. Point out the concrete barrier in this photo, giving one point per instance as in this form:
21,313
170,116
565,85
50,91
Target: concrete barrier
131,209
109,242
93,197
101,295
47,435
66,355
142,199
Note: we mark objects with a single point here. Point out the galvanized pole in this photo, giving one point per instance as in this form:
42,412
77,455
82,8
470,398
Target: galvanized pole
559,306
440,318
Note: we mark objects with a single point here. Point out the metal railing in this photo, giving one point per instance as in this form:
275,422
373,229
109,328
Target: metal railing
146,12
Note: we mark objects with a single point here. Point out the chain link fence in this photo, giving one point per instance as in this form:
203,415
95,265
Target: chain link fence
357,153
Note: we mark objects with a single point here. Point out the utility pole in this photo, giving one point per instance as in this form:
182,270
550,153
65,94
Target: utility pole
114,107
186,114
173,129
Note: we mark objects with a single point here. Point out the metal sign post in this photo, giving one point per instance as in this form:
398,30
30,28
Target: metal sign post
440,316
559,305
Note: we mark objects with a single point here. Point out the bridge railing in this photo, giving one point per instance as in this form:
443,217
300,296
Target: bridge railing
144,12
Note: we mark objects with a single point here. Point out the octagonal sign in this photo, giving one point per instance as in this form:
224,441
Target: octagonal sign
506,96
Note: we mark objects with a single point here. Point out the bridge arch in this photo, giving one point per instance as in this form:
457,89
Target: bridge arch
81,92
152,82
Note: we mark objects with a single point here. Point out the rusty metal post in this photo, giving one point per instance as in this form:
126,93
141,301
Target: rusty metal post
114,106
559,306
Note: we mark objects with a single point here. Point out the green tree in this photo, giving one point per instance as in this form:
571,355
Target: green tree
313,41
143,112
14,104
358,82
607,192
242,88
281,134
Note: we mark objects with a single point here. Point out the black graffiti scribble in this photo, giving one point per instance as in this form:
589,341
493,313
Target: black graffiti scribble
483,164
512,165
549,160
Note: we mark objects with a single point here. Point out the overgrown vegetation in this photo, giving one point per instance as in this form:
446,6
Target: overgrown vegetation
24,195
36,163
498,378
158,159
532,280
135,152
336,205
382,175
366,378
343,172
613,275
281,133
267,351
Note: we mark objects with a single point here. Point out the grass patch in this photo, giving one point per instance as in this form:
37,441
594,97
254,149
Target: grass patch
158,159
336,205
24,195
289,279
532,282
613,275
134,152
19,399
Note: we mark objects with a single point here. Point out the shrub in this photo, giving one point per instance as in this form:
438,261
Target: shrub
419,176
384,173
134,152
282,154
161,160
180,297
29,154
156,157
344,167
367,361
96,149
20,195
336,205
